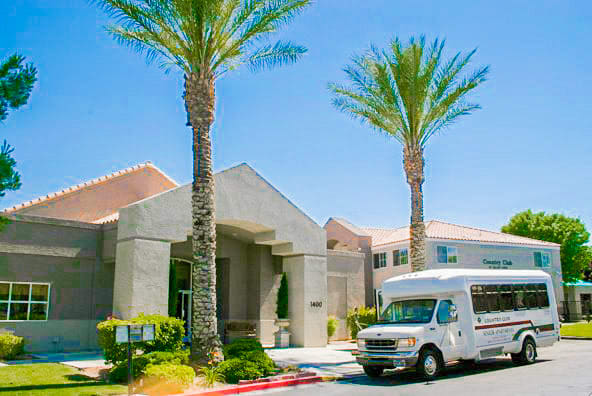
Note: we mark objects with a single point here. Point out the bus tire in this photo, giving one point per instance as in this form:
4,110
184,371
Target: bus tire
429,364
373,371
527,354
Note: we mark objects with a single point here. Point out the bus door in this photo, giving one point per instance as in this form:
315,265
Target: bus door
378,302
453,339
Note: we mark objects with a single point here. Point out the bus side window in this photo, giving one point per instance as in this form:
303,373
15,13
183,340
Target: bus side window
507,298
542,296
492,298
479,299
531,296
519,297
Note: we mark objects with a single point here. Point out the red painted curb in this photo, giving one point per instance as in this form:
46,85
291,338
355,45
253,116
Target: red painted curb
255,387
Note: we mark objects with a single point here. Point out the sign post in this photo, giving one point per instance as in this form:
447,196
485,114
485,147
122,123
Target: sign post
127,334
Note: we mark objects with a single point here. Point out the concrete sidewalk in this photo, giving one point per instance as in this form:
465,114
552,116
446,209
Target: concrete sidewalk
335,360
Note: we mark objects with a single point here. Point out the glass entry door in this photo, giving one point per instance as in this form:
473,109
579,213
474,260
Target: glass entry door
184,312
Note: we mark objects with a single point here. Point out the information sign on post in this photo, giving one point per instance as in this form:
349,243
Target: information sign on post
121,336
148,332
127,334
135,333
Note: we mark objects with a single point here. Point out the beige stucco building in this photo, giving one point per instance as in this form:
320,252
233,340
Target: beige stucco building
447,246
70,259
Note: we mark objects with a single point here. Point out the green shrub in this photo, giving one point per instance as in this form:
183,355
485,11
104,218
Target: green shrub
211,375
364,317
282,298
262,361
332,324
168,378
139,363
241,346
169,333
235,370
11,346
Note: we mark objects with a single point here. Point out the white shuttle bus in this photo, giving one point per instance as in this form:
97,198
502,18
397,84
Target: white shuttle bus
436,316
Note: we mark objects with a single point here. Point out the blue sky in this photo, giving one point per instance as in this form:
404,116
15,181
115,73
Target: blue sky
98,107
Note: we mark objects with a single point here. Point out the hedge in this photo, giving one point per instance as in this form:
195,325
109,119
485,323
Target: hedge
169,333
11,346
139,363
166,379
235,370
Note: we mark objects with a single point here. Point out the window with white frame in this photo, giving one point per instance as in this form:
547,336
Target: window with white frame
400,257
24,301
542,259
404,256
447,254
379,260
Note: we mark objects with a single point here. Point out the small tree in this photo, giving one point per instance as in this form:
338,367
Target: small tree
173,289
568,231
282,299
16,82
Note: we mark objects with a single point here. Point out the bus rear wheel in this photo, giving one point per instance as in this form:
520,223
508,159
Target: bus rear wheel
373,371
528,353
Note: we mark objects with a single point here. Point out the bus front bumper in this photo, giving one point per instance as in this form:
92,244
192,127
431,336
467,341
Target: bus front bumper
386,359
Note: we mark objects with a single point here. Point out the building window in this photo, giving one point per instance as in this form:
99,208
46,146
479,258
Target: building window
400,257
542,260
447,254
24,301
379,260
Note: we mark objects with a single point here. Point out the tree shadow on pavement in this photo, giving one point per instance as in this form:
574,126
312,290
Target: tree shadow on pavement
455,370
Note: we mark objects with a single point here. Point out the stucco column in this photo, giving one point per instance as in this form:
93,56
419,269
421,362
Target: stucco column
141,278
307,293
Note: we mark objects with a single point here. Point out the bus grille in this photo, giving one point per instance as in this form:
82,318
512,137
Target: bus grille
381,344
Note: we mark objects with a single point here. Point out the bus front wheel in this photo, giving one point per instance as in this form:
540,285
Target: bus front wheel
429,364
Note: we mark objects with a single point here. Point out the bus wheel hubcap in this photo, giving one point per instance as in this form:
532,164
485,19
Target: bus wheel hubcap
529,352
430,365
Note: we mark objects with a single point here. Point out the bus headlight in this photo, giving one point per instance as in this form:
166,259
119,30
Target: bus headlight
361,343
407,342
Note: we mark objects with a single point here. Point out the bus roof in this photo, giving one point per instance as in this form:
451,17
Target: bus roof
443,281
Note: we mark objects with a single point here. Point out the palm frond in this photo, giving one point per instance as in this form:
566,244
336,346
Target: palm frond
205,36
280,54
407,91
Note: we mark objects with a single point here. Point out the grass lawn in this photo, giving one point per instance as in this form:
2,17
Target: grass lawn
52,379
577,330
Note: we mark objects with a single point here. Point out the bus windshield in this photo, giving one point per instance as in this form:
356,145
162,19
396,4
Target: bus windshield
409,311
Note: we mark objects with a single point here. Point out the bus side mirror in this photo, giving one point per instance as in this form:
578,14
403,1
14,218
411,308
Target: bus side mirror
452,313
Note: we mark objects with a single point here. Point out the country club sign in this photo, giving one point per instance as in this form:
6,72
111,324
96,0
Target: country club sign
494,264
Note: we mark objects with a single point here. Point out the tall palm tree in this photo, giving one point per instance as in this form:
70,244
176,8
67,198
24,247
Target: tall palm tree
205,39
409,93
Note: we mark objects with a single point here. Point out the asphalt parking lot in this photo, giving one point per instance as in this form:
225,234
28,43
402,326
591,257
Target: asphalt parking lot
563,369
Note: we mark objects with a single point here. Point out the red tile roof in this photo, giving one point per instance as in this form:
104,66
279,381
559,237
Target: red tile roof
99,200
440,230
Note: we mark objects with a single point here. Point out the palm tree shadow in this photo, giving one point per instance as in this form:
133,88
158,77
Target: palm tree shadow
456,370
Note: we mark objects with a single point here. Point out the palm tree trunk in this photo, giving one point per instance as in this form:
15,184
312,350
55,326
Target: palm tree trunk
413,163
199,102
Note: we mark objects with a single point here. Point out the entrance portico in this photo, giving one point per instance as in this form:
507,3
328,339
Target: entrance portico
260,234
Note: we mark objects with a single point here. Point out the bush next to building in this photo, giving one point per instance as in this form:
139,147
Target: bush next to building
360,318
235,370
245,360
167,378
169,333
241,346
11,346
282,298
332,324
139,363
